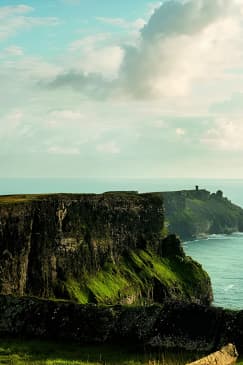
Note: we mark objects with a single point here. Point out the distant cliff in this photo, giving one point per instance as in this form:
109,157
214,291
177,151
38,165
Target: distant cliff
109,248
197,213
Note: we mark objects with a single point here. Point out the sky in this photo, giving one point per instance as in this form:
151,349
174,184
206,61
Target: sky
124,89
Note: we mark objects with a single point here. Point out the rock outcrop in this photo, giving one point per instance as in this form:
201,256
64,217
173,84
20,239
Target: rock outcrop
108,248
186,326
227,355
198,213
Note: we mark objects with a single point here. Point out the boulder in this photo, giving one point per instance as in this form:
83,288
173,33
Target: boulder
226,356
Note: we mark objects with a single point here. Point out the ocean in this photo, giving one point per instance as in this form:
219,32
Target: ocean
220,255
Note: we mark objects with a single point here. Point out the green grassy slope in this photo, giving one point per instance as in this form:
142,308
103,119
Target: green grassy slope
141,274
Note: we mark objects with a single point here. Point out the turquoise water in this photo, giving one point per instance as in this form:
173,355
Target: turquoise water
222,257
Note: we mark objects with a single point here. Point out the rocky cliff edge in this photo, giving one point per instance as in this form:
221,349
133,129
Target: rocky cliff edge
108,248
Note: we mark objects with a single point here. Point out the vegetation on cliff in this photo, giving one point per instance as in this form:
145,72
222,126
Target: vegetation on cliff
142,277
196,213
105,249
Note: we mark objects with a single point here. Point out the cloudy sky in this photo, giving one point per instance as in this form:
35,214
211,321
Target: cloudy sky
104,88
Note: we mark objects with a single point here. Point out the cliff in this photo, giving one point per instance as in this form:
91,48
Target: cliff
198,213
187,326
108,248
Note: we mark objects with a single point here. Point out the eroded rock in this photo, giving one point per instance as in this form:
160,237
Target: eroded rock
105,248
226,356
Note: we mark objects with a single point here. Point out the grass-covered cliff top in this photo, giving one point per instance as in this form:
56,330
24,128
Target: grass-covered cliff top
113,195
21,198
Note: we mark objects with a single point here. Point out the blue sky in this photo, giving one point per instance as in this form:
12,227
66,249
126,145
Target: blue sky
133,89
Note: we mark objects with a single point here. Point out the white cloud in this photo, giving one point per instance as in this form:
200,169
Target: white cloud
30,68
93,54
120,22
106,61
232,105
6,11
180,132
183,45
59,118
123,23
153,6
139,24
14,51
89,42
171,68
67,115
159,124
12,128
225,135
109,148
16,18
182,48
63,150
11,125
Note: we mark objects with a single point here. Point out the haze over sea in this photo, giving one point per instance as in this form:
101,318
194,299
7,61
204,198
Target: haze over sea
220,255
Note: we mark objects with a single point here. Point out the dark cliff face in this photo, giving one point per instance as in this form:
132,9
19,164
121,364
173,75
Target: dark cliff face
197,213
104,248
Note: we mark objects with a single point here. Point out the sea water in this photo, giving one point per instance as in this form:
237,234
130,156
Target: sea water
221,256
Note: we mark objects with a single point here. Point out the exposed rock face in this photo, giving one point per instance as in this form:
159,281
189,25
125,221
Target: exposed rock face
197,213
226,356
106,248
173,325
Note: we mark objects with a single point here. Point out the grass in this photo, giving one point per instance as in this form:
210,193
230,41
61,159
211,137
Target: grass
21,352
107,285
26,198
76,292
133,277
151,266
23,198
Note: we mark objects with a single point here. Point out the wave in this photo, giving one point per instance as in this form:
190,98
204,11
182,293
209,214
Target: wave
219,236
229,287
